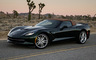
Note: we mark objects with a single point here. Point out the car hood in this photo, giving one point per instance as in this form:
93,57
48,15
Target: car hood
33,28
23,30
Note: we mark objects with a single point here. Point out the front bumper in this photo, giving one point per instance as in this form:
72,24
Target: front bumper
21,40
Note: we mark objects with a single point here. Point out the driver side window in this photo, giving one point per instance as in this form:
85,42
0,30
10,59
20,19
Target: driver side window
66,23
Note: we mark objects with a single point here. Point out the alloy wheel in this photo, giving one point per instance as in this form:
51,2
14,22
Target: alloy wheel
83,37
41,41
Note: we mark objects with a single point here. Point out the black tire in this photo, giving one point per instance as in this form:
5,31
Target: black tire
42,41
82,37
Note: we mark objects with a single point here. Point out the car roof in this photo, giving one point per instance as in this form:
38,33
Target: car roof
73,23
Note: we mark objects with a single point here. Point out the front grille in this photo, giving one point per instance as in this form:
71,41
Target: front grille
16,39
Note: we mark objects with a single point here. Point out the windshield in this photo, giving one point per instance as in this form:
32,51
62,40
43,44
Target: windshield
48,23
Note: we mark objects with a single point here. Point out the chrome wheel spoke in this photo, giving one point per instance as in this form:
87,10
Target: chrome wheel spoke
38,38
44,41
42,45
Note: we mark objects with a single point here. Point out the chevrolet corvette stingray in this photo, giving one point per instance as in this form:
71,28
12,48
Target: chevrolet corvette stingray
43,33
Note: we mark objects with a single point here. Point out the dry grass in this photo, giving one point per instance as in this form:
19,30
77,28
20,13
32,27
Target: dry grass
7,24
3,34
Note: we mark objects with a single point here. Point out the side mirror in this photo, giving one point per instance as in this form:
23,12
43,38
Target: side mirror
63,27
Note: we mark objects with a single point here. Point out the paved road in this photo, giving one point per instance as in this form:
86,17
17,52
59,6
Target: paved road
62,50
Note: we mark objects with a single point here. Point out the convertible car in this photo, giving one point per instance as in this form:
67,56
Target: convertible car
43,33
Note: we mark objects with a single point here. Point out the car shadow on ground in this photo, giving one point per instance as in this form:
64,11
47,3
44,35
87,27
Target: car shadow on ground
21,46
63,42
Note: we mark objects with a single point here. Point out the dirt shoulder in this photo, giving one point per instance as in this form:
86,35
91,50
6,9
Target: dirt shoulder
3,35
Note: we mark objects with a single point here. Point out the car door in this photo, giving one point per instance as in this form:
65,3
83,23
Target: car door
66,30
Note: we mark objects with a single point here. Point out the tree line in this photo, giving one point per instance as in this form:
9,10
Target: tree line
80,17
15,14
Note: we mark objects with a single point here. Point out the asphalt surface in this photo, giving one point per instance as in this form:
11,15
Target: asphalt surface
61,50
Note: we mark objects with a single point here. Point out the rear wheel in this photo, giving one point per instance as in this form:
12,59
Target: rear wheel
41,41
82,37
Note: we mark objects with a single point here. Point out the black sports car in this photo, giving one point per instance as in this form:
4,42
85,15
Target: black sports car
49,30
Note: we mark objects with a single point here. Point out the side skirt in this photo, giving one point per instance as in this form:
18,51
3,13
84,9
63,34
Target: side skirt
59,39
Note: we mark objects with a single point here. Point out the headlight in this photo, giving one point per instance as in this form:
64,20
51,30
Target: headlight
29,34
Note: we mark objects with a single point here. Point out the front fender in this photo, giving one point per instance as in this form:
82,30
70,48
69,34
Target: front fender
48,33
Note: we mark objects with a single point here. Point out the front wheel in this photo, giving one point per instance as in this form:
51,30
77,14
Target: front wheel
82,37
41,41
